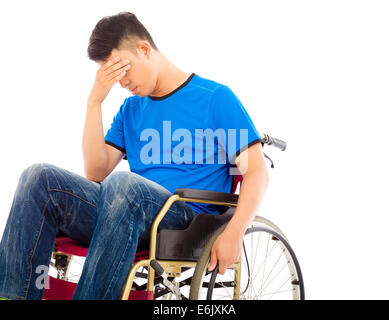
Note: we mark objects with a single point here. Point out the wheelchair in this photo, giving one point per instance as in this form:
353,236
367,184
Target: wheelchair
175,266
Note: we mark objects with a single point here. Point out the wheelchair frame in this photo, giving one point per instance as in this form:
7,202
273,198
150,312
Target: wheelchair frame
174,267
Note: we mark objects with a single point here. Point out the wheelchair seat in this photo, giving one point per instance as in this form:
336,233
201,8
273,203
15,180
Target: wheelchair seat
70,246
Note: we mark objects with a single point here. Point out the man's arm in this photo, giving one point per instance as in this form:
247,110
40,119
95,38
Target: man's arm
93,144
251,164
227,247
99,158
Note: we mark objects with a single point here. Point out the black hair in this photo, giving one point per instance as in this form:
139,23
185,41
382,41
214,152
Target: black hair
114,32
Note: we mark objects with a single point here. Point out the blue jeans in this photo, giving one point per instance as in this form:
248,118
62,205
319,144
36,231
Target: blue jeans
113,218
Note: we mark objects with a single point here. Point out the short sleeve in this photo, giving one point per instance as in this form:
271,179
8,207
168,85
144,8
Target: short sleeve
229,115
115,134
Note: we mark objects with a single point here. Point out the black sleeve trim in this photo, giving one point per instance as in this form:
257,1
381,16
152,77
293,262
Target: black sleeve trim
117,147
237,153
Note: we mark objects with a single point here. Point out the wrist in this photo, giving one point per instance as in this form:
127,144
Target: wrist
93,104
236,228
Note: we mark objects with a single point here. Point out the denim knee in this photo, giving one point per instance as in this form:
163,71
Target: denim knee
126,184
33,173
125,192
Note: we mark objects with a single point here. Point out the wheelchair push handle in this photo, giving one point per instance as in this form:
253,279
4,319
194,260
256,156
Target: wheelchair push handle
271,141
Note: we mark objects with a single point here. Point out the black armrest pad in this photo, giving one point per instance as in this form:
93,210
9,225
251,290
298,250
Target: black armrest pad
207,195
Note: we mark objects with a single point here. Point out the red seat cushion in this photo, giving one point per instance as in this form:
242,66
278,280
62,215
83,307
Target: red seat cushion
70,246
63,290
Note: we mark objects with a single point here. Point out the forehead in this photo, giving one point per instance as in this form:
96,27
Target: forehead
123,54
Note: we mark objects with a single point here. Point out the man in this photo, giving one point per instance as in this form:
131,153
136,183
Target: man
113,212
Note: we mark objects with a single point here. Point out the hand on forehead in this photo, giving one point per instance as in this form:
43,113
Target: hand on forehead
122,54
115,53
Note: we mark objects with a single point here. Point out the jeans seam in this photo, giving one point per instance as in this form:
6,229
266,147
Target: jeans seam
68,192
11,295
35,245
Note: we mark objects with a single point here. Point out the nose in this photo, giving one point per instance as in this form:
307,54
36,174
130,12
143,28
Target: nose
123,82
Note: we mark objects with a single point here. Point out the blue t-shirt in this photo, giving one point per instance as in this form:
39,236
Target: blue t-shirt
188,138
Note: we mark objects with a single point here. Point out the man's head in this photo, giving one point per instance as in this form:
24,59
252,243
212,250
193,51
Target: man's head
124,36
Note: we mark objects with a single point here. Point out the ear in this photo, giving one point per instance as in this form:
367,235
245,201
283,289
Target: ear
144,47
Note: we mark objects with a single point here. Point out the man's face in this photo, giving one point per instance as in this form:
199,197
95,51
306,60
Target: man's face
140,79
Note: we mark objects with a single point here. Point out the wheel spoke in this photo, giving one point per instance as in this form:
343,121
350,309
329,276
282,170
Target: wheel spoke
230,295
265,264
266,256
277,291
273,293
262,289
275,264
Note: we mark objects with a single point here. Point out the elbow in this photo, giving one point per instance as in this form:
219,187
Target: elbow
93,178
95,175
90,178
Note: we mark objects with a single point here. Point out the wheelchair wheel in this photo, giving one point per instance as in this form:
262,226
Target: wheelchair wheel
268,269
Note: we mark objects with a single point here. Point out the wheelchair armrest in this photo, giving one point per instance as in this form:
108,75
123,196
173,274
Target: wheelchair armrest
207,195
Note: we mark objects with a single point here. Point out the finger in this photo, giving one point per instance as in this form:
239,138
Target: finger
118,73
222,268
117,78
213,261
109,63
212,264
117,66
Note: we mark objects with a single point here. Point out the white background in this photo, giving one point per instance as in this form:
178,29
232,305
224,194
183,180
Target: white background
313,73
